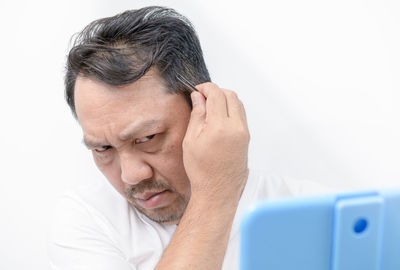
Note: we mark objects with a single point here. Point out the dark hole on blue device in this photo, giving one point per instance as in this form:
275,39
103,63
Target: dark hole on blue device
360,225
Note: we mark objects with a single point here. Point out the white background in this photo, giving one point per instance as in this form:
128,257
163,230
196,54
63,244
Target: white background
320,80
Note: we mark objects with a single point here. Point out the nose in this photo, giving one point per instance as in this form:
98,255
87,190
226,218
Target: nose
134,169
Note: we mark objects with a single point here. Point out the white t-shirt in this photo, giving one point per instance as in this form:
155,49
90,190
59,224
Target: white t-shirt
96,228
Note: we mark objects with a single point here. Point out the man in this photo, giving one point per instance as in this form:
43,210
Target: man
177,155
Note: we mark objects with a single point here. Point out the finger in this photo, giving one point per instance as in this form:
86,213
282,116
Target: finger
215,100
243,114
234,106
198,114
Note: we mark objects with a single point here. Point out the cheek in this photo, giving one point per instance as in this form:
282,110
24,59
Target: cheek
171,164
173,152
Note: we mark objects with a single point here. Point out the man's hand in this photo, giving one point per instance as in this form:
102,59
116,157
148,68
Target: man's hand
215,158
216,145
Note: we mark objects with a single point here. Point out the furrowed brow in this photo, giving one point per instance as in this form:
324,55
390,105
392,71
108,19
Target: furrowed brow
92,144
129,132
138,127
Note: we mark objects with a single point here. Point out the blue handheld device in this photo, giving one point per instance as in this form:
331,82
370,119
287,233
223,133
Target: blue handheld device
357,231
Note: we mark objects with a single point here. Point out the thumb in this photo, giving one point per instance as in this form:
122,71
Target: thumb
198,115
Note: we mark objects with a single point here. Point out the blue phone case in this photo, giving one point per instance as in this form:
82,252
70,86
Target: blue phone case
357,231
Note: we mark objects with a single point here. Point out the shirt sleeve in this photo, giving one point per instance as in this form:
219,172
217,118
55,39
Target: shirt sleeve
77,241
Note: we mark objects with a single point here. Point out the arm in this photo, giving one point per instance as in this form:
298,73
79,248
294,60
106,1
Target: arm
215,158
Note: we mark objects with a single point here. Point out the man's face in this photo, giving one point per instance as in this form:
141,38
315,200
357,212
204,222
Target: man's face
135,133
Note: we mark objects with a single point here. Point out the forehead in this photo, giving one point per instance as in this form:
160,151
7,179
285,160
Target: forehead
100,106
91,94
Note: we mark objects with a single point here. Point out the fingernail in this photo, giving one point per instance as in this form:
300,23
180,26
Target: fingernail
195,98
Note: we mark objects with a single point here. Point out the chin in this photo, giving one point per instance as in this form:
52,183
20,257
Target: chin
171,222
166,215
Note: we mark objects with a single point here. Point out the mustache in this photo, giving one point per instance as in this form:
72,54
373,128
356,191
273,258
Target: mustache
147,185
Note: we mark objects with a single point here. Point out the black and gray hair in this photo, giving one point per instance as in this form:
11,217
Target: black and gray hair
119,50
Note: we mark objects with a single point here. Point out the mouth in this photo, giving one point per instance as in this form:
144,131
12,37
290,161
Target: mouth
152,199
147,195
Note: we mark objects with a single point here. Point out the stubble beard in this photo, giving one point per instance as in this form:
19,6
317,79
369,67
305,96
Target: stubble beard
168,214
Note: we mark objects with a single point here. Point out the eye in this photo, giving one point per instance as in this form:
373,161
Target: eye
102,149
144,139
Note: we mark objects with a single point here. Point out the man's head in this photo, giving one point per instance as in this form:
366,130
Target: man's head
121,84
119,50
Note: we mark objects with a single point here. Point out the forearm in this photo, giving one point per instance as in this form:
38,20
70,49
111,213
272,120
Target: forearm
201,238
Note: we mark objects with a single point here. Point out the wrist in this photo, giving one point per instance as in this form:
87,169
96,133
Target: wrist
214,194
213,207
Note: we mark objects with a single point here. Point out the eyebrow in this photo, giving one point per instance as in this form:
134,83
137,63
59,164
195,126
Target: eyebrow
91,144
130,131
136,128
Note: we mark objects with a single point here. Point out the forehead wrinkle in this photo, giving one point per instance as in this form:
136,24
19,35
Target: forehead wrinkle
91,140
137,127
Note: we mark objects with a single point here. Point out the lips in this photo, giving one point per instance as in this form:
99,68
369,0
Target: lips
147,195
153,200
